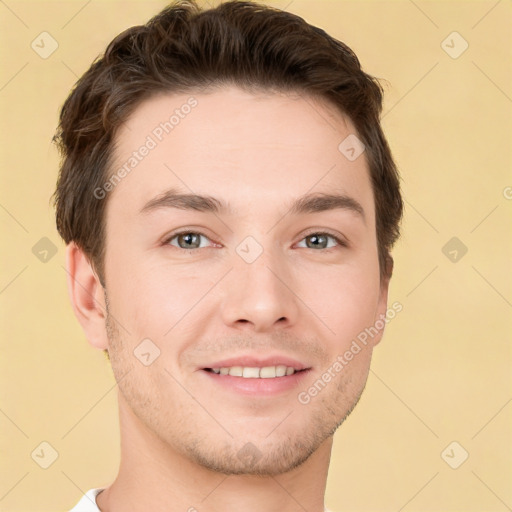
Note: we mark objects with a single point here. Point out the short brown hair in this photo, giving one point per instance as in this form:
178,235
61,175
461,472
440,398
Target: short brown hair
184,48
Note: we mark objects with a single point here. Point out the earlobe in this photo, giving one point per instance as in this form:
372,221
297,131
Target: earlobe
86,296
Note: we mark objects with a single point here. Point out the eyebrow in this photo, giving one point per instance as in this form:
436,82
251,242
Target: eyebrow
309,203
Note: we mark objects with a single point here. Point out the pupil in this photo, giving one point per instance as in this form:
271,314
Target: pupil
314,240
188,239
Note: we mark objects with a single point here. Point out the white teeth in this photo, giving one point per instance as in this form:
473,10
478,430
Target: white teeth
280,371
249,372
236,371
268,372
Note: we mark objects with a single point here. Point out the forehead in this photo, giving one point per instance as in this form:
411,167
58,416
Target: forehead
246,148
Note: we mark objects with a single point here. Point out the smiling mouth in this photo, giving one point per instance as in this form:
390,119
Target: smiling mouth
248,372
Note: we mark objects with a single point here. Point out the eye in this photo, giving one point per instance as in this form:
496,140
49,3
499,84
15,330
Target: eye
191,240
187,240
321,240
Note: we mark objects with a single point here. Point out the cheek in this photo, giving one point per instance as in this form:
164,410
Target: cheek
346,301
157,299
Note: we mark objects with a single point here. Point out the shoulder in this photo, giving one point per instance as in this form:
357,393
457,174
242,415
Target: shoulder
88,502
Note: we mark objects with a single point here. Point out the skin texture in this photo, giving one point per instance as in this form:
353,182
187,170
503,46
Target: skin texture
180,432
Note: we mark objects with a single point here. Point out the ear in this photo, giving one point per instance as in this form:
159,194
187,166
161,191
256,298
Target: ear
87,296
382,304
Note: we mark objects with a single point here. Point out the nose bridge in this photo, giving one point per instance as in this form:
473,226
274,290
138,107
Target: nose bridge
258,290
258,263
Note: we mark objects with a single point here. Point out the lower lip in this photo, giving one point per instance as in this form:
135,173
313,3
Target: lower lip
258,387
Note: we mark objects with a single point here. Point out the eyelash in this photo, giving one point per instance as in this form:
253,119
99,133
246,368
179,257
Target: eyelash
338,240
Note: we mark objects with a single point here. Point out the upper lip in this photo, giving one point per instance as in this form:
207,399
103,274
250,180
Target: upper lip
259,362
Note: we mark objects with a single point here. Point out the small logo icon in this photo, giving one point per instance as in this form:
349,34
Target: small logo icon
454,455
146,352
454,45
249,249
454,249
44,250
351,147
45,455
249,454
44,45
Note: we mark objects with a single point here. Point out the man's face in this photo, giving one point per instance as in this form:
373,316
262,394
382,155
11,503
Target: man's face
254,279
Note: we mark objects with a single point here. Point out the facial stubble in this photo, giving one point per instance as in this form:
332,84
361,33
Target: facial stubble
272,453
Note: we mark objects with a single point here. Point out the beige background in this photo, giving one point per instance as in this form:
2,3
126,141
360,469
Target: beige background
442,372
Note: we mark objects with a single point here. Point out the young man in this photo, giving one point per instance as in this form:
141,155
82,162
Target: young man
229,202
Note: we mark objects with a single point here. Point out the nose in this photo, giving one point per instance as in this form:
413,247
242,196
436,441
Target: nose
259,296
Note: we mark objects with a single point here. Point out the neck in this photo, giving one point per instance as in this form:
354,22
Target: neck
154,476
